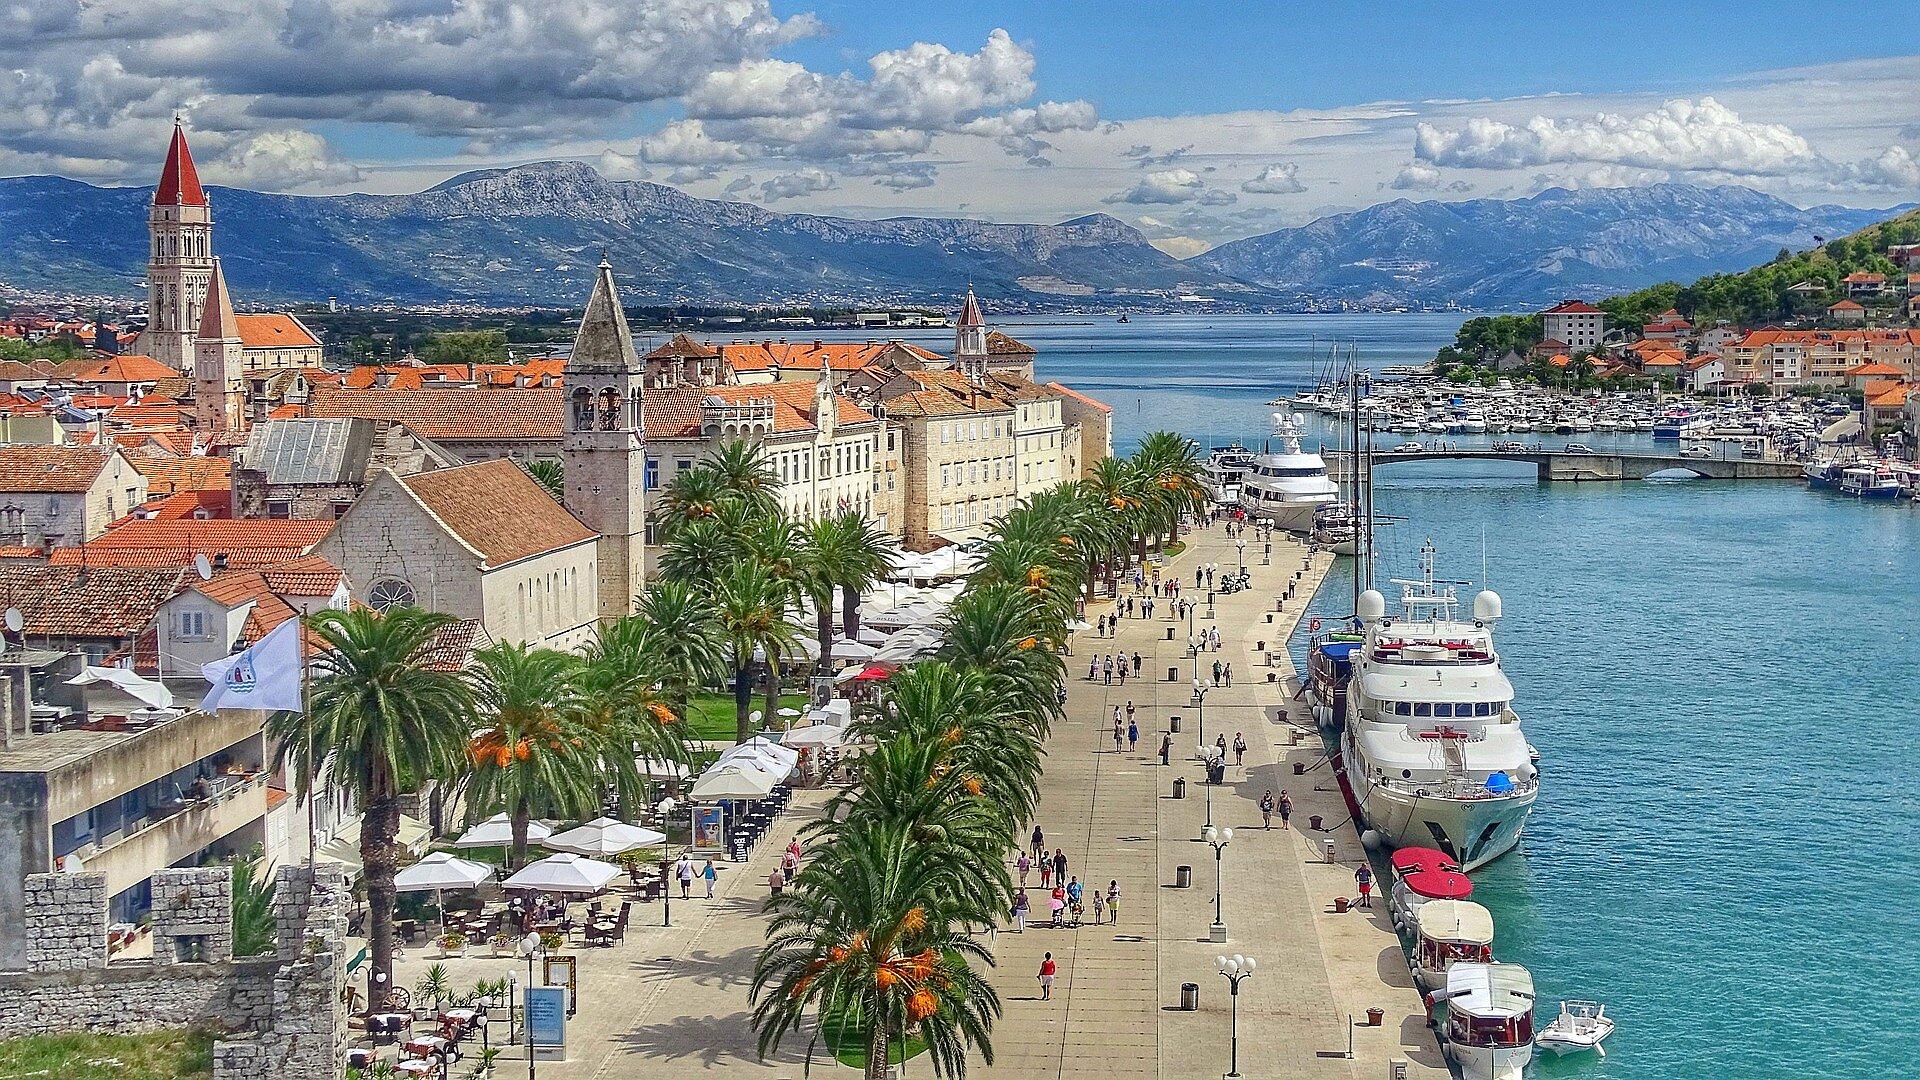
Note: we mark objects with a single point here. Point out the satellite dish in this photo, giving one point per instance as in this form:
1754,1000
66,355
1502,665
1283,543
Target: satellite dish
202,567
15,620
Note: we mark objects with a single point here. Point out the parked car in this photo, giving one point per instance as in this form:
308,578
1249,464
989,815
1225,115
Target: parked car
1580,448
1697,451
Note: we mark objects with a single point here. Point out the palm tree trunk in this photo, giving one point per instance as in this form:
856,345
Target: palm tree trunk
517,854
849,610
877,1051
742,700
772,691
379,824
823,623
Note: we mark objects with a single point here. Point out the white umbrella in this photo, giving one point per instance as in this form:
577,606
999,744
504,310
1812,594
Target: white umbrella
786,711
848,649
565,873
146,691
761,746
663,770
603,836
735,780
497,831
438,872
821,735
869,636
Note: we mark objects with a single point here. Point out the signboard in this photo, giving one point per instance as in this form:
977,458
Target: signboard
709,828
547,1015
560,971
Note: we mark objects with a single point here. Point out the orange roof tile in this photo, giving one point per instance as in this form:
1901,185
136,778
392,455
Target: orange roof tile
813,355
1572,307
274,331
1080,397
309,575
444,413
247,543
127,368
498,510
34,468
1875,367
167,475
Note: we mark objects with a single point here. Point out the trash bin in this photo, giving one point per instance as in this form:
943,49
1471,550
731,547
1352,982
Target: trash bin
1183,877
1299,768
1169,633
1339,905
1173,723
1269,616
1180,787
1189,997
1313,822
1173,673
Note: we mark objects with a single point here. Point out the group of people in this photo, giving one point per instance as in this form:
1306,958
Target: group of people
1130,732
1207,640
1066,897
1107,666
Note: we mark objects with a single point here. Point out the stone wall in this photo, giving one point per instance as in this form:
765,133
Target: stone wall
283,1012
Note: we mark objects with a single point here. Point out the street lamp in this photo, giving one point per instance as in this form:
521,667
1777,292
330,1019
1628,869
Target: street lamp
1217,839
1200,703
1241,543
1235,969
529,948
666,869
1212,757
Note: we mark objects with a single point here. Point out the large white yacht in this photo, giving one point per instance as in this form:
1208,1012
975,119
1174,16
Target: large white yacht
1287,487
1432,753
1226,467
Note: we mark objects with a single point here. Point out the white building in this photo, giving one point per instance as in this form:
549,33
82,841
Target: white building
1580,325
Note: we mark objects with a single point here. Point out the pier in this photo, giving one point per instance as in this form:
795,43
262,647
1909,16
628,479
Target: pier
1116,1009
1562,466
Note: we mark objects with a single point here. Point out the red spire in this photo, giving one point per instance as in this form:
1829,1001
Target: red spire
179,183
970,311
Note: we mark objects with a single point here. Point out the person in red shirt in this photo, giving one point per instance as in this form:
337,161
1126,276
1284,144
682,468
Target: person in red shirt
1047,970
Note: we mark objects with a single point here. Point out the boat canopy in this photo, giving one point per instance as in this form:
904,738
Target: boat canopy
1340,650
1456,920
1439,884
1408,859
1490,990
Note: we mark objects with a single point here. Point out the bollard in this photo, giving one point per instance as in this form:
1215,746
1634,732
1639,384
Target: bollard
1269,616
1183,877
1329,849
1260,646
1189,997
1272,676
1180,787
1313,822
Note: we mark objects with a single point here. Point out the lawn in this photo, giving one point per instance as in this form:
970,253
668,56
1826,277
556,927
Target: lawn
710,715
157,1055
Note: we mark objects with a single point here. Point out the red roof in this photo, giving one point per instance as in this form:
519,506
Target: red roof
1572,307
970,311
179,182
1846,305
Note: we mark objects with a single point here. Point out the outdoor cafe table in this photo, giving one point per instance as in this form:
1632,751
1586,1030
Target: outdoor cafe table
463,1017
417,1067
421,1046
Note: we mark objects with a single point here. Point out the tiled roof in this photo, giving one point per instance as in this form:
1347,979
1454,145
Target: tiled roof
179,181
49,469
131,367
454,645
1875,367
1846,305
274,331
94,602
1572,307
187,506
310,575
681,347
999,344
676,414
167,475
248,543
498,510
1082,398
812,355
452,413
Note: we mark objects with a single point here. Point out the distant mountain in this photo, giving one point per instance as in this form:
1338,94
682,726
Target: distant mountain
1490,253
527,235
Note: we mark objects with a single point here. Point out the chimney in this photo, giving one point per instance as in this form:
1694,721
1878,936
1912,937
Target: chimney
219,562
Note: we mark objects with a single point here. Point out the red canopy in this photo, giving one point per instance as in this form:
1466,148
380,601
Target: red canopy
873,671
1407,860
1439,884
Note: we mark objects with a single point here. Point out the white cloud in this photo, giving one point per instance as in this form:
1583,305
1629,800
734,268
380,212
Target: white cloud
1416,177
1172,186
1181,247
1280,179
807,181
282,161
1682,135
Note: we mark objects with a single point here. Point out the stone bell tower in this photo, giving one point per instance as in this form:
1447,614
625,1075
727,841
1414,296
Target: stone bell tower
604,448
970,340
179,258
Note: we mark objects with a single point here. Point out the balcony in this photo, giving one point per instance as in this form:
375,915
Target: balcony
174,832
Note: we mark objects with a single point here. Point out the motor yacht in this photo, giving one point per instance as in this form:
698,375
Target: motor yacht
1226,466
1432,752
1287,486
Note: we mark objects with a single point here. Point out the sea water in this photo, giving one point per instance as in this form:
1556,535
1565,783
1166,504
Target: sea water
1720,678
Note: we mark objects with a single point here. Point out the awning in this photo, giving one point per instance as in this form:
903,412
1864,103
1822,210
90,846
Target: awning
1490,990
818,735
735,780
604,836
497,831
441,870
1456,920
146,691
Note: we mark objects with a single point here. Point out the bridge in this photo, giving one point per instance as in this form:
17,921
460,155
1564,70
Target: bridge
1561,466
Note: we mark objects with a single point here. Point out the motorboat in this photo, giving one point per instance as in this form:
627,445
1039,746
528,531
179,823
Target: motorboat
1822,472
1869,482
1335,530
1447,932
1226,466
1432,752
1488,1033
1287,487
1581,1026
1422,875
1329,667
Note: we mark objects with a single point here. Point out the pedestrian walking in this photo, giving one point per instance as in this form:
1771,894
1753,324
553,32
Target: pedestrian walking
1106,669
1216,673
1129,710
1166,747
1227,673
1020,903
1133,736
1059,864
1220,744
1023,864
1057,904
1118,732
1363,877
1099,907
710,875
793,849
685,873
1047,970
1266,809
1113,902
1136,664
1093,666
1046,872
1286,808
1039,845
1239,749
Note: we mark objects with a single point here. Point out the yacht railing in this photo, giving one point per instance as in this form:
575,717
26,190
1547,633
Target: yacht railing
1458,790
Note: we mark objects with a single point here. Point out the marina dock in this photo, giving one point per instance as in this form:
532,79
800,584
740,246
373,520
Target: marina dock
1116,1003
1561,466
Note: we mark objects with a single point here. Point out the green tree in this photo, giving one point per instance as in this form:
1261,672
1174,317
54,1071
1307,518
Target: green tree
379,722
750,604
253,925
552,476
466,347
533,755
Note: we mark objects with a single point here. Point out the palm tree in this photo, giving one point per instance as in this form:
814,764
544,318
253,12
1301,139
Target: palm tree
550,475
744,474
534,756
680,637
696,550
867,939
691,495
621,681
750,605
1171,467
843,551
378,723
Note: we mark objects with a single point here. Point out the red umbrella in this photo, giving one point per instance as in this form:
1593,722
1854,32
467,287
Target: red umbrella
873,672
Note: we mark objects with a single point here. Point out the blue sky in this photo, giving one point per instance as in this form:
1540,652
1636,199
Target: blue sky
1195,122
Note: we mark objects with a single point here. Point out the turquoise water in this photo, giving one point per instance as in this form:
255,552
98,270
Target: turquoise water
1720,679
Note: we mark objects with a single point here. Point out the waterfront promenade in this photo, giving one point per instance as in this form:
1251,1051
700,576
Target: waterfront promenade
673,1001
1114,1008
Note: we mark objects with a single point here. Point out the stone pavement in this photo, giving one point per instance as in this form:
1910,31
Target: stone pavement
674,1001
1114,1009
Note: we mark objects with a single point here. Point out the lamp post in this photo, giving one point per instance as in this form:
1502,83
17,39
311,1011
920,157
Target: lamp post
1236,969
666,868
528,948
1217,839
1241,543
1212,757
1200,703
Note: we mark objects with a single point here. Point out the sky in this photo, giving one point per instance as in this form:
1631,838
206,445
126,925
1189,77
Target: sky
1196,122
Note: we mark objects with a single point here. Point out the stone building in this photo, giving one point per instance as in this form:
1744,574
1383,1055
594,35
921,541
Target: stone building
316,468
62,495
483,542
603,450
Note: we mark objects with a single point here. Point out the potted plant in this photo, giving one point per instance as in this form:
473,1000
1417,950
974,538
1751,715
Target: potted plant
552,941
452,943
433,988
484,1066
501,942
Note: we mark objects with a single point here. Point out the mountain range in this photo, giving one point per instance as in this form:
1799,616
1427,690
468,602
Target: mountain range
526,235
1493,253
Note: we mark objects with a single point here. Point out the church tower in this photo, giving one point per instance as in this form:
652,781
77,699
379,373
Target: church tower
970,340
219,366
179,258
604,449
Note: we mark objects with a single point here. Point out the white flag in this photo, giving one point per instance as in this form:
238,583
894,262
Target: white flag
264,676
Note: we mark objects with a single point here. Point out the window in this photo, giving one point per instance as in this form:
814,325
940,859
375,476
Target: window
193,624
388,593
653,473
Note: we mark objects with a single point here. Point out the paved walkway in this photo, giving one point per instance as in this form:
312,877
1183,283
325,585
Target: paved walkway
673,1001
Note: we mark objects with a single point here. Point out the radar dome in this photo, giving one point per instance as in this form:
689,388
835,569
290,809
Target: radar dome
1372,606
1486,606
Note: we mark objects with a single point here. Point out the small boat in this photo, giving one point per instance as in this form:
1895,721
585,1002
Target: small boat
1123,318
1581,1025
1489,1028
1868,482
1421,875
1448,932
